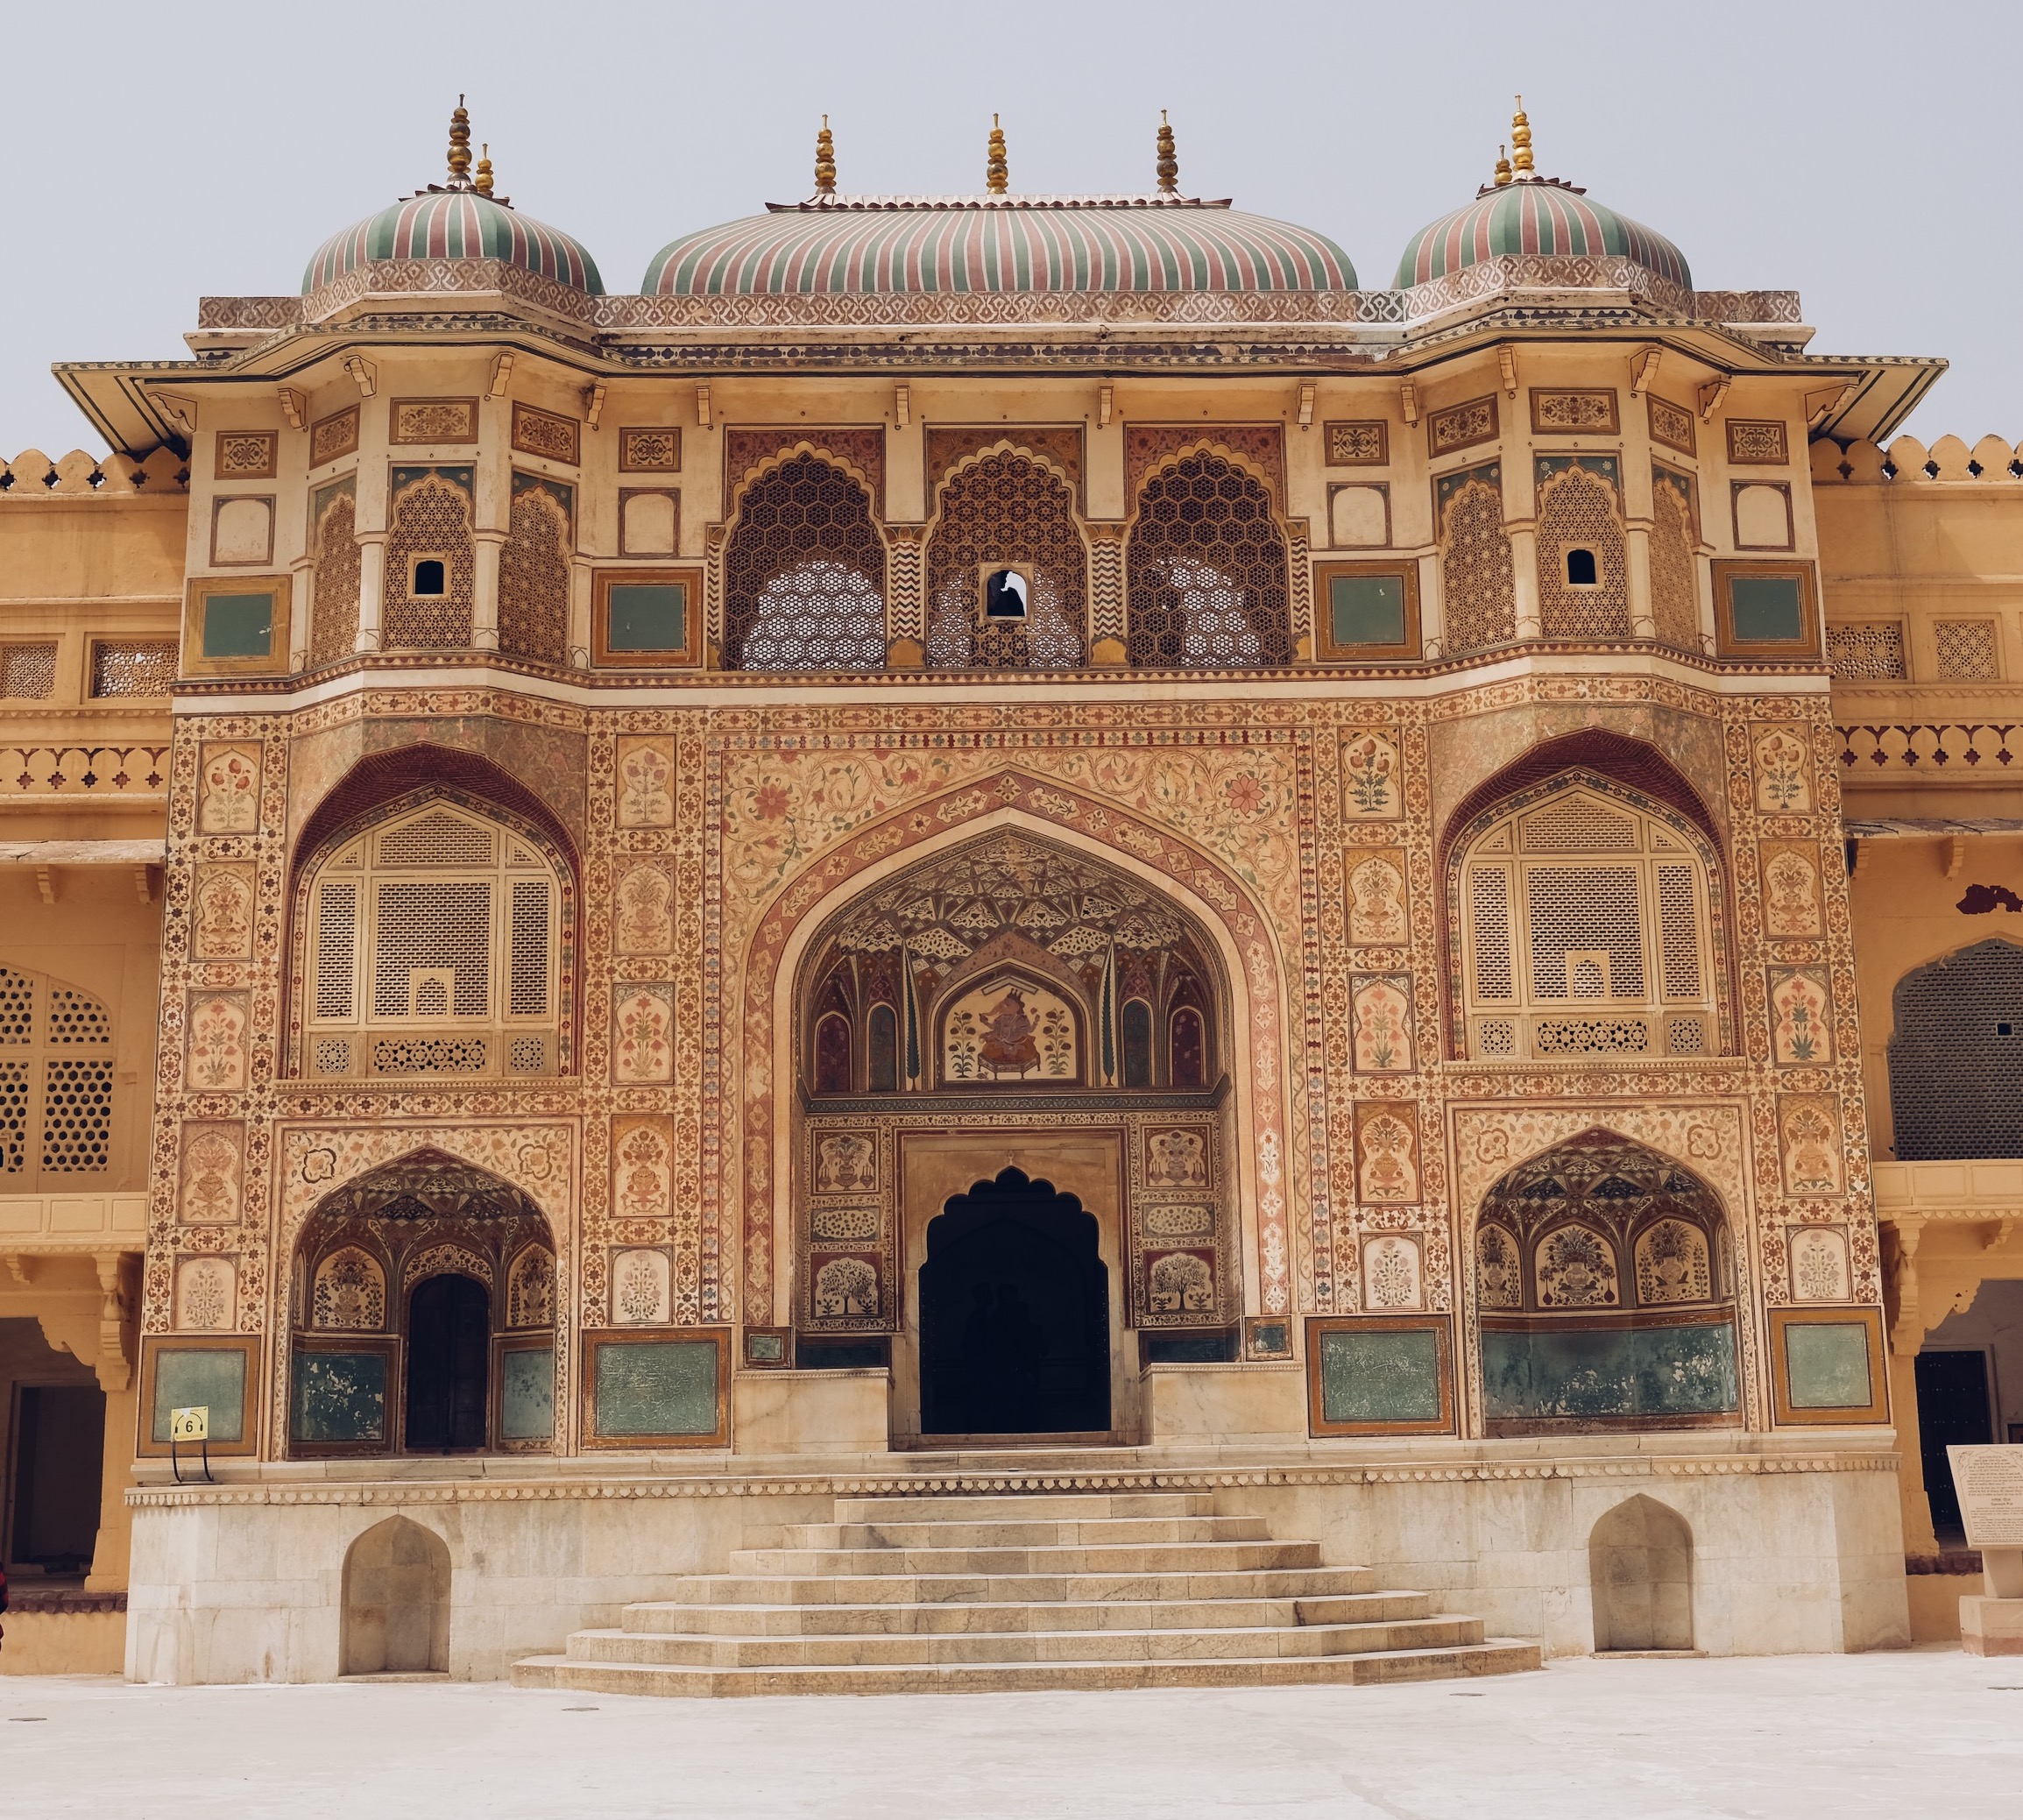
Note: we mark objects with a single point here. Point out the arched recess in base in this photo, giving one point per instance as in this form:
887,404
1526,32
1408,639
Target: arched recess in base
396,1611
1640,1564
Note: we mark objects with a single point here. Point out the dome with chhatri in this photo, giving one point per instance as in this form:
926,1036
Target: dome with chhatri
1522,216
1063,247
460,219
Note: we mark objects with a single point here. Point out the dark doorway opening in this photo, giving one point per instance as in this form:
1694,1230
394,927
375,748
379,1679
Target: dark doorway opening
59,1466
1015,1335
1952,1411
449,1365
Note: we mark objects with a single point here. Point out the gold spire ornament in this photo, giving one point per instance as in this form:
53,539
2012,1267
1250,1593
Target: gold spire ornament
460,146
824,160
1502,166
484,185
997,172
1521,141
1169,160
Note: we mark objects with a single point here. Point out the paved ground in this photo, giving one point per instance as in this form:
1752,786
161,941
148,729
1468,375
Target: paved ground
1928,1732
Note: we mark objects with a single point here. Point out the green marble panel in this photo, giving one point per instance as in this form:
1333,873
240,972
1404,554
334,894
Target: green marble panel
339,1396
1589,1373
238,625
1826,1364
193,1377
527,1394
656,1387
1383,1376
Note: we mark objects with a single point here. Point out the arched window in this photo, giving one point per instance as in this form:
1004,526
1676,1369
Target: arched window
56,1064
882,1044
832,1073
1674,574
804,573
533,572
1188,1065
1603,1281
1137,1043
1208,570
430,566
433,948
1587,928
1583,570
1007,570
333,613
1478,580
1957,1056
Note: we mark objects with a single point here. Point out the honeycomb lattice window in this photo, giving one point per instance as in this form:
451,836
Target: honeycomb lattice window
1478,580
1007,509
1577,511
1965,650
804,573
56,1068
534,570
1956,1056
144,666
431,518
27,672
1587,932
1872,651
77,1116
436,918
334,604
1207,570
1675,573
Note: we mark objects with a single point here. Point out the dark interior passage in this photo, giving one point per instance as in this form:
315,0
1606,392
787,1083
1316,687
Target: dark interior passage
58,1463
448,1364
1014,1314
1952,1411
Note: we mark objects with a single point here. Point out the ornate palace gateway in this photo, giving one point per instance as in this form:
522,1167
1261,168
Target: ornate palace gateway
1015,891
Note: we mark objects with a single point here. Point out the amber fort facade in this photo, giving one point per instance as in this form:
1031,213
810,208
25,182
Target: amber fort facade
1002,940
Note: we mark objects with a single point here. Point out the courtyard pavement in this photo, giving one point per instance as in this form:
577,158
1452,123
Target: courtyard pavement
1928,1731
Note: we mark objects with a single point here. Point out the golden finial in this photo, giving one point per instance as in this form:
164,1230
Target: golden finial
1169,161
825,162
484,170
1521,140
997,172
1502,166
460,146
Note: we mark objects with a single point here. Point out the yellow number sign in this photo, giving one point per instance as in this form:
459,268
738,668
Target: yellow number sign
192,1424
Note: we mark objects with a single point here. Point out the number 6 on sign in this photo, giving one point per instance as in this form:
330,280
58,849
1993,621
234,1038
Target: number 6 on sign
192,1424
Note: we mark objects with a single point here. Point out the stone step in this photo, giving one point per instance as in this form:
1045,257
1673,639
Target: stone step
668,1617
912,1588
1035,1506
987,1646
1493,1656
1130,1558
1004,1533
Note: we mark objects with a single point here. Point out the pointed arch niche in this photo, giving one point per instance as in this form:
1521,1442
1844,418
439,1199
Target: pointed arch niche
950,957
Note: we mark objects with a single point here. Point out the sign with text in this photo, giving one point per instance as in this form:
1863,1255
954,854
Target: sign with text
1989,1483
191,1423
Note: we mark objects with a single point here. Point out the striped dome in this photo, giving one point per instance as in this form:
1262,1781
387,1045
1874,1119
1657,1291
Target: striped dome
876,245
1535,215
455,224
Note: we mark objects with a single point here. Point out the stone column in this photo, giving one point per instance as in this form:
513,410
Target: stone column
372,587
490,546
301,599
1643,620
1524,578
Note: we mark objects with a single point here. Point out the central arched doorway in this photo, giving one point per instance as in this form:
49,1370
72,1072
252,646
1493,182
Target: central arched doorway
1014,1314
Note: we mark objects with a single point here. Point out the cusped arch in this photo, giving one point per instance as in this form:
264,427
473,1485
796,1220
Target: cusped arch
1240,935
1207,564
1955,1055
1006,505
805,565
1640,1569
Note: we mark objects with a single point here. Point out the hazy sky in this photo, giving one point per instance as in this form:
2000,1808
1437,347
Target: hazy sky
1860,153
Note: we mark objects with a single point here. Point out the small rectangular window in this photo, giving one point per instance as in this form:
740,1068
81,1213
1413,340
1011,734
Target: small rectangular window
1367,613
646,618
238,625
1766,610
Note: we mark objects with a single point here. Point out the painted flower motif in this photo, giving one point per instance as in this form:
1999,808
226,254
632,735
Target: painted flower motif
1246,795
771,804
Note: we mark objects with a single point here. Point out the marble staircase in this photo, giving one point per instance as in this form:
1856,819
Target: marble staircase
941,1593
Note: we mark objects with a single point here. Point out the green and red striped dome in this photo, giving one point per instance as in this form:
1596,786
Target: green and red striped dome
1536,217
455,223
879,245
